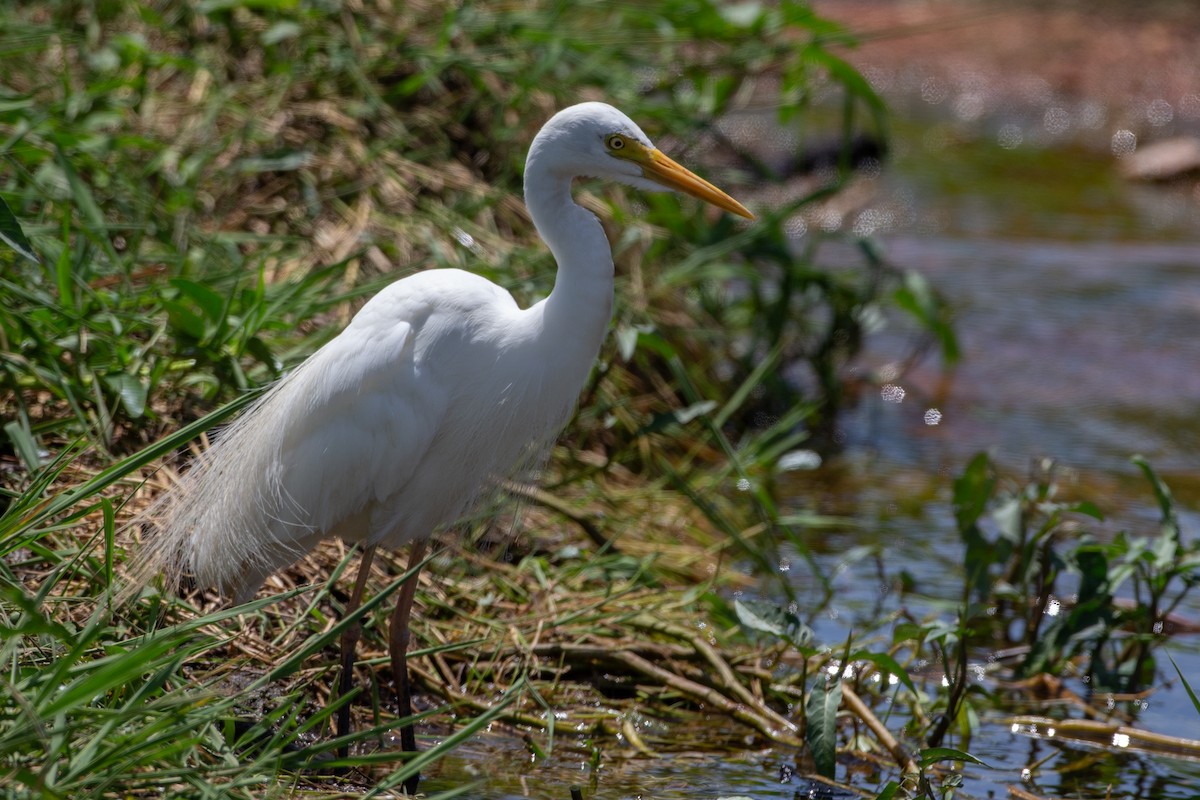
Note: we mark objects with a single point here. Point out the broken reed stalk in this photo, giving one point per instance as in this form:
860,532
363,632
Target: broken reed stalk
750,715
1021,794
727,678
1112,735
858,708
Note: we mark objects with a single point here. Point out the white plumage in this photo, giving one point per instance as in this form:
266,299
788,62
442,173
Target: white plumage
438,385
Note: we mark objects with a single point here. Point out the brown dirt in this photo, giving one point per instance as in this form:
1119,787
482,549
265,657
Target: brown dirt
1123,55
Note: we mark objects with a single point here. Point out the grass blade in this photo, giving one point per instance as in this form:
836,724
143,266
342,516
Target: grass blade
12,235
1186,686
452,741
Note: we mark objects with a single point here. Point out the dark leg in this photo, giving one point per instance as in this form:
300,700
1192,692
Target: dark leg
398,649
350,639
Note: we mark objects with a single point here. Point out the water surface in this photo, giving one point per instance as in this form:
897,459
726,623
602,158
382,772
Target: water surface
1078,312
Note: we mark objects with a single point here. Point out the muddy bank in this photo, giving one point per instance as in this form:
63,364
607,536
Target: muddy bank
1099,66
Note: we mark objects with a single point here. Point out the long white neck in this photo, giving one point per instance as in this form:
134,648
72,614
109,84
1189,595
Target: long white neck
575,317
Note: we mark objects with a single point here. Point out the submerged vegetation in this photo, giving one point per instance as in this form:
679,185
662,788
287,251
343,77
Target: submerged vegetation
196,196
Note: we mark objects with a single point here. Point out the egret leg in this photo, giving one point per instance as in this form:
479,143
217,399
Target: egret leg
350,639
398,649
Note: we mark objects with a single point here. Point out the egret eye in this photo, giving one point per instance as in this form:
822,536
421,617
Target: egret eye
616,142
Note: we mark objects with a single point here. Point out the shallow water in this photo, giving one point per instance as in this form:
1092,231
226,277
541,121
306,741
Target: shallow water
1081,349
1078,299
690,775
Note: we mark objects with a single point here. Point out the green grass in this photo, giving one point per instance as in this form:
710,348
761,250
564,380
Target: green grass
208,191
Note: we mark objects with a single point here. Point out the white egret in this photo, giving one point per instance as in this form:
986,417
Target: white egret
439,385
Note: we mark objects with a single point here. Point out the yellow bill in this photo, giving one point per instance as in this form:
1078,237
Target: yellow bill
659,167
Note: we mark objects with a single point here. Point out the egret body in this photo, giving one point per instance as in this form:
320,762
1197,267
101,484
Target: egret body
439,385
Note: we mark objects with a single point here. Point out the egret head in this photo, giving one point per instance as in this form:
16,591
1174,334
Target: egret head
597,140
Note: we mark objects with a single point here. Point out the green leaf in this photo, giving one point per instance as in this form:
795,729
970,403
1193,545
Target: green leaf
908,632
1088,508
1166,504
1094,576
12,235
424,759
936,754
24,443
99,676
654,342
1186,686
744,392
972,490
885,663
18,518
1009,517
822,708
85,203
210,302
767,618
741,15
183,319
63,275
131,390
918,298
888,791
259,349
33,621
850,78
